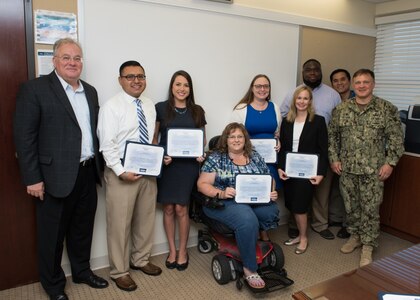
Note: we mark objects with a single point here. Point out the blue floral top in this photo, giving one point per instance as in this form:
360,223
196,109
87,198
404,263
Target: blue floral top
226,170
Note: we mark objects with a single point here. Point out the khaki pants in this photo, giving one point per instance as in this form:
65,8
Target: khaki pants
130,215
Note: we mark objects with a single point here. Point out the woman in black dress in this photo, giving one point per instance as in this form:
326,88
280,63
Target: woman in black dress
179,175
305,132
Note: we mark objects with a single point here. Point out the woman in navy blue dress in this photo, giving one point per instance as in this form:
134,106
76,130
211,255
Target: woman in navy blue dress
179,175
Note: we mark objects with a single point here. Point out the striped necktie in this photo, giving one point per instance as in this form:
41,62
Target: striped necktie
144,135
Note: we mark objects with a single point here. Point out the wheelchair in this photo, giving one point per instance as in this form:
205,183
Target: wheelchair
226,265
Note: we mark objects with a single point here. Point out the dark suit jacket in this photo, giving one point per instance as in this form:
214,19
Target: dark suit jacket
48,137
313,140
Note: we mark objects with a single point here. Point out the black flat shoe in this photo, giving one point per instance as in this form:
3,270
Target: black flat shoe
183,266
170,265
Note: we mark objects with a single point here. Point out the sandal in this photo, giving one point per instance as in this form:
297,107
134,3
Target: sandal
255,281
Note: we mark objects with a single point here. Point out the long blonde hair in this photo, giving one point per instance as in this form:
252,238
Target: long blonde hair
291,115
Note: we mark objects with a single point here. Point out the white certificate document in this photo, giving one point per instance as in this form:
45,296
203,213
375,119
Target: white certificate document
143,159
253,188
265,148
185,142
299,165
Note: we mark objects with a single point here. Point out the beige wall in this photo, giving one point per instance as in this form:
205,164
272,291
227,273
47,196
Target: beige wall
395,7
351,12
336,50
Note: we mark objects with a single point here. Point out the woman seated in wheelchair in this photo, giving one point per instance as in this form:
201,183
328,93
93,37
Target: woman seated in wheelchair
234,155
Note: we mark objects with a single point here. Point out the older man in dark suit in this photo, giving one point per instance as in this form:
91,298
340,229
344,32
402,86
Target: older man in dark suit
57,148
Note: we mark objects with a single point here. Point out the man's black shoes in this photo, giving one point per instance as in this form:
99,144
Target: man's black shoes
343,233
61,296
327,234
93,281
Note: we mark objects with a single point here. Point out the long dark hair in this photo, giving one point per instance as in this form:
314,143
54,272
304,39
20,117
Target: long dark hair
197,111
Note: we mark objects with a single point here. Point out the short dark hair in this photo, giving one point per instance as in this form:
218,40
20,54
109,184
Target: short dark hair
130,63
340,71
364,72
310,60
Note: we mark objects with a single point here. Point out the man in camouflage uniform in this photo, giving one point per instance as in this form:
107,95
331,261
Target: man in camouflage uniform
365,144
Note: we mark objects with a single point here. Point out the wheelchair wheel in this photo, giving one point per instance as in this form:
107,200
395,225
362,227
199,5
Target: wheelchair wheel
221,269
205,246
276,258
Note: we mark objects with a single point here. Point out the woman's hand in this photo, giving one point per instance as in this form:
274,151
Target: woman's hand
202,158
278,145
274,195
167,160
229,192
316,179
282,174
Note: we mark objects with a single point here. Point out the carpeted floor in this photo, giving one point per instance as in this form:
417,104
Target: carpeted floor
322,261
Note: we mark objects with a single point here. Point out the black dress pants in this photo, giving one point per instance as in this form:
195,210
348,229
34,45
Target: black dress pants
69,218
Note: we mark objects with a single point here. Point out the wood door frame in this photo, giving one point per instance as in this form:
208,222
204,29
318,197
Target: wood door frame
18,253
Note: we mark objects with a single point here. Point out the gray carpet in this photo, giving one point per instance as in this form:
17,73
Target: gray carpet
321,261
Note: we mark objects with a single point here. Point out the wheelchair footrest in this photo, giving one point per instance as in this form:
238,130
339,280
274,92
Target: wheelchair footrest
274,280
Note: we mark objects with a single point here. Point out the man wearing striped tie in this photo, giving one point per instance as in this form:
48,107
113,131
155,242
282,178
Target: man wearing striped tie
130,198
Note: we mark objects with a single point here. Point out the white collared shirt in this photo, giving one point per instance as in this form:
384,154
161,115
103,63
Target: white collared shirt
80,107
118,123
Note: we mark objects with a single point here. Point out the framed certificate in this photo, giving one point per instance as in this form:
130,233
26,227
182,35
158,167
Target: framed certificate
300,165
265,147
143,159
185,142
253,188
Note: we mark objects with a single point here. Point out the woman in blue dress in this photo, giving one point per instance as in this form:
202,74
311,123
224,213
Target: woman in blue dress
261,118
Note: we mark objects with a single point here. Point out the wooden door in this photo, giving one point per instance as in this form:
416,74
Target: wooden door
18,262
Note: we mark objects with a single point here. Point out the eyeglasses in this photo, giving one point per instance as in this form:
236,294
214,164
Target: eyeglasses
234,137
132,77
67,59
261,86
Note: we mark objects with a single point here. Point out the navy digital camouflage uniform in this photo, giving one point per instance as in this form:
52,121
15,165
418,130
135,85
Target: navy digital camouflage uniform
363,141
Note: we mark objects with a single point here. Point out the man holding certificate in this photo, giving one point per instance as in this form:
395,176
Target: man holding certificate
234,157
304,133
130,197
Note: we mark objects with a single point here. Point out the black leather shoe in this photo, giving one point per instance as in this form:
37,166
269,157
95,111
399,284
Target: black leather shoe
61,296
327,234
183,266
169,264
343,233
293,233
93,281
